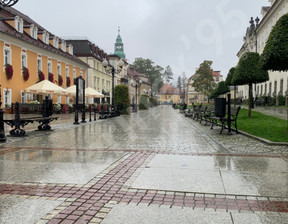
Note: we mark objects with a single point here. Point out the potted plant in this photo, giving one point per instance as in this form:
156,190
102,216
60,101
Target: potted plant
50,77
9,71
26,74
7,108
41,75
68,81
60,80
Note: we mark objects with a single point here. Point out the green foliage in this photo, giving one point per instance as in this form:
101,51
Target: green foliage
144,102
179,83
204,82
248,70
220,89
274,56
122,97
152,71
229,78
271,128
168,74
153,101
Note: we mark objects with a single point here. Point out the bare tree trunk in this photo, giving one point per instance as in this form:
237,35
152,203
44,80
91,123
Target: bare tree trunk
287,112
250,100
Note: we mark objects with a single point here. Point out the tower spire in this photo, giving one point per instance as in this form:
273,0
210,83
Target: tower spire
119,46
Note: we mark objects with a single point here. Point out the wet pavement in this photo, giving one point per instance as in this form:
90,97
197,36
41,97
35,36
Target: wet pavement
154,166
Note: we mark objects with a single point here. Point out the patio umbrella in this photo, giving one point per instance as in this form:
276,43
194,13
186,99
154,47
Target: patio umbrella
45,87
89,92
71,91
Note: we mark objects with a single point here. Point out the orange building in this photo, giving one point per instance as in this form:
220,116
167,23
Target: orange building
28,48
168,95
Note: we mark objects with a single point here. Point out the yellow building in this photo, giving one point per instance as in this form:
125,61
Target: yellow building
168,95
27,46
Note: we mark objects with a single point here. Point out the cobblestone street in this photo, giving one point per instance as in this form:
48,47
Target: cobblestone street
154,166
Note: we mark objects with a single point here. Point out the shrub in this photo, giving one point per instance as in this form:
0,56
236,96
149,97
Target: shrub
122,98
143,102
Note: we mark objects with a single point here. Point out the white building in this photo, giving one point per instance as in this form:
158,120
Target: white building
254,41
192,96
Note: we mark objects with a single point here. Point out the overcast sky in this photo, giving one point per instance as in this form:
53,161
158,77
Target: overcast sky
179,33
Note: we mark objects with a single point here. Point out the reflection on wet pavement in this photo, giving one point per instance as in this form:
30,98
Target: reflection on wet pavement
48,166
154,161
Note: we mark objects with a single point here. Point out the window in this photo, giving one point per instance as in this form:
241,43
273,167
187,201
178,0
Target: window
18,24
39,64
58,69
81,73
23,60
58,99
67,99
103,87
67,71
7,96
33,31
23,97
261,92
49,67
74,73
275,88
56,42
7,55
70,49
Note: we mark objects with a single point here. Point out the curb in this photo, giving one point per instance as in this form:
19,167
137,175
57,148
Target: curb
264,140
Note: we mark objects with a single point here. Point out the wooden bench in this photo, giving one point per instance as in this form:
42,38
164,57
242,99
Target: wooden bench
223,121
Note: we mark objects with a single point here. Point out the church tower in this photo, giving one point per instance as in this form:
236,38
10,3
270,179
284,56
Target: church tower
119,46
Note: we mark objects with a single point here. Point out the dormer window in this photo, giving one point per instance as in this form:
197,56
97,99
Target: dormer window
18,24
45,37
70,49
56,42
33,31
63,45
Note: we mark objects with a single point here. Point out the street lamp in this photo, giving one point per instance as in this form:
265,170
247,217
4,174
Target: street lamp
8,3
138,83
113,71
2,131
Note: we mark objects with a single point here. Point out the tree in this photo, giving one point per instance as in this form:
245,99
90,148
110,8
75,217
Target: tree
184,83
228,81
220,89
248,72
179,83
168,74
274,56
153,72
204,82
122,98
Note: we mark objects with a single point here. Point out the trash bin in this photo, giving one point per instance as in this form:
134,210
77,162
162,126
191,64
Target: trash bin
220,107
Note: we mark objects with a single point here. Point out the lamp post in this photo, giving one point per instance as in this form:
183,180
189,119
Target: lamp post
138,83
2,132
8,3
113,71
